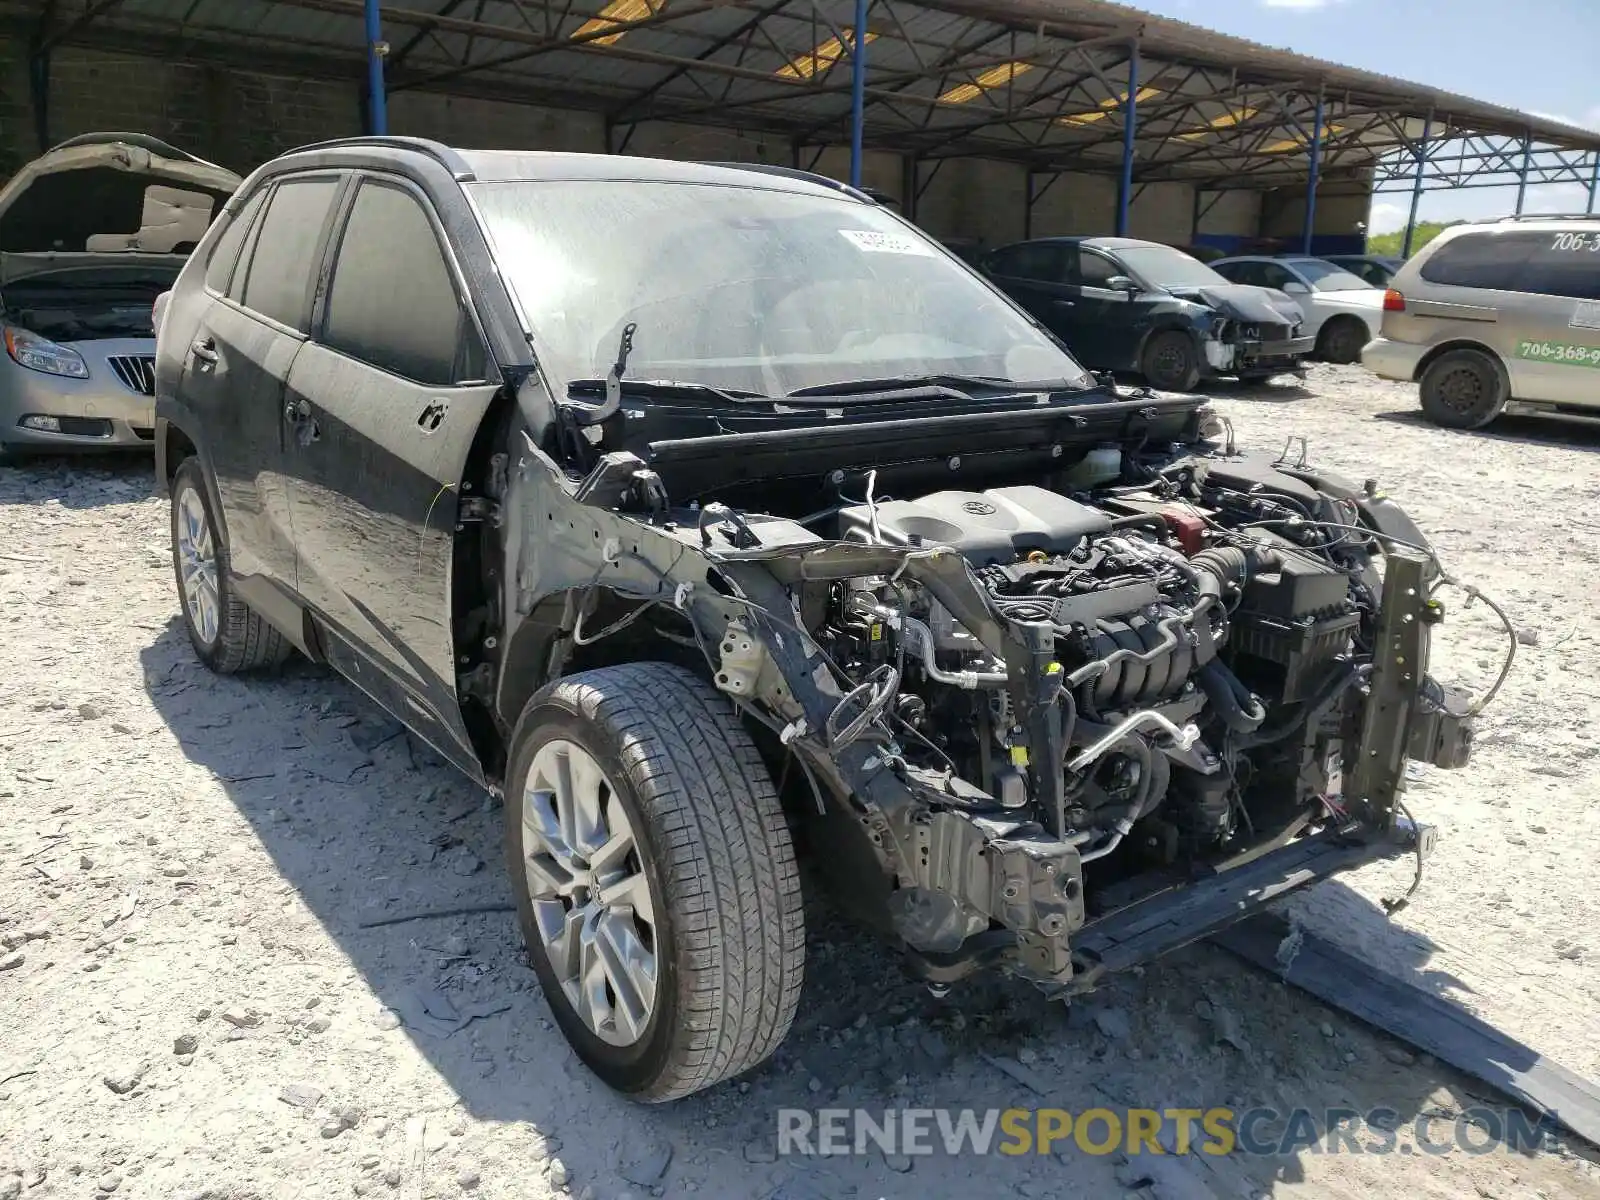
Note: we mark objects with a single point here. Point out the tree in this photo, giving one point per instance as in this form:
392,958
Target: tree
1391,243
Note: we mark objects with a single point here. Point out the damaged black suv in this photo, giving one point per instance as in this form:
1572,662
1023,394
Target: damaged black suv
707,512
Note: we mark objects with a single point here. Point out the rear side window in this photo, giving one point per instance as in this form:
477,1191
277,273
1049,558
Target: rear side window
1046,262
284,258
225,256
1481,260
393,303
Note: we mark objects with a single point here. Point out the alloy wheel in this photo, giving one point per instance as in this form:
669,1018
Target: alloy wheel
591,899
197,565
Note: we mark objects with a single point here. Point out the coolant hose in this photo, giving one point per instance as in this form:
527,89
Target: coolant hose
1238,709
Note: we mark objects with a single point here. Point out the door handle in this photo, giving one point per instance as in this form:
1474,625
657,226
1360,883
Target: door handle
205,349
1065,303
433,416
297,410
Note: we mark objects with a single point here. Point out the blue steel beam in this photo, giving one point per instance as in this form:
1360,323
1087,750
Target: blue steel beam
1522,173
1416,189
1130,129
1312,179
858,90
377,103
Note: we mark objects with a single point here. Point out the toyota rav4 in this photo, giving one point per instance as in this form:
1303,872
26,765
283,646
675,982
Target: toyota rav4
706,512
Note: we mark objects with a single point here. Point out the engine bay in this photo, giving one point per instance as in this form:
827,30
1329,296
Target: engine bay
1119,664
1205,630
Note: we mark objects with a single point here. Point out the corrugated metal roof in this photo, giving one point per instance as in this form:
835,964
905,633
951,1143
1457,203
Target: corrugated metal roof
1037,80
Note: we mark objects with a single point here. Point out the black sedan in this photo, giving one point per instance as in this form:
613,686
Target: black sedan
1140,307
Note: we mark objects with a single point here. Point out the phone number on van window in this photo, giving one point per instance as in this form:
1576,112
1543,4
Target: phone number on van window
1560,352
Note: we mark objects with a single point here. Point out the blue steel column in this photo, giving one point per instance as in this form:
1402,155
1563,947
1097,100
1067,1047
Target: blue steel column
1522,175
1416,187
1130,129
858,90
1312,178
1594,182
377,102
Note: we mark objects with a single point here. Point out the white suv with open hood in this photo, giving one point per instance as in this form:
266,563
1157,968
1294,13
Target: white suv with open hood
90,234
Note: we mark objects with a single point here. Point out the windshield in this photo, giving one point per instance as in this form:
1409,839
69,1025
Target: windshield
748,289
1165,267
1326,277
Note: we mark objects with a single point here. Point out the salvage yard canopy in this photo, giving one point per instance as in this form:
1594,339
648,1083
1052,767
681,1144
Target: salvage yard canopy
1057,85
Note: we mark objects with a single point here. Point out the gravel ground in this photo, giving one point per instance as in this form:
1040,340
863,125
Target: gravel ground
192,1004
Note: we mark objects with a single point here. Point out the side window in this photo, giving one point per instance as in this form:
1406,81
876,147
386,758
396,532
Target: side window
1043,262
1273,276
225,254
1096,270
284,259
1483,260
1562,264
392,302
1238,272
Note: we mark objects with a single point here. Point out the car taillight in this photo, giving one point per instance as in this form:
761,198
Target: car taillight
1394,301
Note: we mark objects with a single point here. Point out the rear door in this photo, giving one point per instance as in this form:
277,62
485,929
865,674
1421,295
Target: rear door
234,368
383,408
1042,277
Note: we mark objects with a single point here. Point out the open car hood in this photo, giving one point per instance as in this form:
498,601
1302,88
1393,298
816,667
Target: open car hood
1244,302
122,265
104,193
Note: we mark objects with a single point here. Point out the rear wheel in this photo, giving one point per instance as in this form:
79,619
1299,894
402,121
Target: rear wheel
1341,340
1464,389
226,633
1171,362
655,878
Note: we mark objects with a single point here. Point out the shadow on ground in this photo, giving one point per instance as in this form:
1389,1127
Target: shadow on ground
1529,431
1281,389
368,826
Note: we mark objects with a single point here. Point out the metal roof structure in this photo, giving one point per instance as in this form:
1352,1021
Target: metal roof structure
1056,85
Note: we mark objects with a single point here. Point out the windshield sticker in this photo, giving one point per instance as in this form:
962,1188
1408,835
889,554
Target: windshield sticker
887,243
1560,352
1585,315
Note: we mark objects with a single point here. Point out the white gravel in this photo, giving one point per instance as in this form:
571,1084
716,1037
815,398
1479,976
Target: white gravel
189,1005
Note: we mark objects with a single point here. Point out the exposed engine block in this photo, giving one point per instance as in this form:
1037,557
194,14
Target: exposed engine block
1165,647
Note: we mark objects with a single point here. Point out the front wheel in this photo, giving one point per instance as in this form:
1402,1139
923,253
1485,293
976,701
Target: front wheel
655,878
1171,362
1464,389
226,633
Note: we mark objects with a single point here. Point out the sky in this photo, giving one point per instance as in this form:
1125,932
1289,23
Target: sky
1536,56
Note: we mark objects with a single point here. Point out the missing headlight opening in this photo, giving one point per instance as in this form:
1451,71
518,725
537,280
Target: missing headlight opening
1023,719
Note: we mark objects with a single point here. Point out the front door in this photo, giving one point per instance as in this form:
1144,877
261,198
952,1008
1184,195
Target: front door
1115,319
382,409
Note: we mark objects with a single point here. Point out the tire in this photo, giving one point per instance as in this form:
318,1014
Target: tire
709,888
227,635
1464,389
1341,340
1170,361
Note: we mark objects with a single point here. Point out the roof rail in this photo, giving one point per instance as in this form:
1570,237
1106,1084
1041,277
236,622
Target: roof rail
797,173
1590,216
444,155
